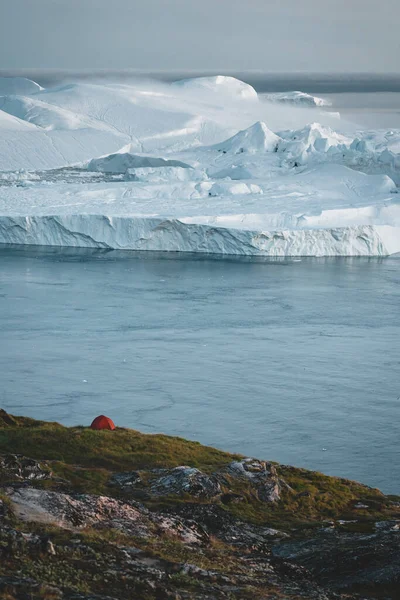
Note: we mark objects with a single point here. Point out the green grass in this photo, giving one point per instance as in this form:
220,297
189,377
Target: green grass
84,459
119,450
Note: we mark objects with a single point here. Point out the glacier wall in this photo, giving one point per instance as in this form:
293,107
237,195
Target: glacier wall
134,233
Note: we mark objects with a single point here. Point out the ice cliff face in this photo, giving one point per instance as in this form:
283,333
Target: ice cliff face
92,231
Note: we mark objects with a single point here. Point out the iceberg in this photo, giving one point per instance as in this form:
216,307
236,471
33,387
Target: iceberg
220,84
257,138
297,98
121,162
172,235
192,166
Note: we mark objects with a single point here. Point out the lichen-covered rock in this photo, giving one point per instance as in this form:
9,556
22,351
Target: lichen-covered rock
260,474
186,480
187,531
77,511
15,466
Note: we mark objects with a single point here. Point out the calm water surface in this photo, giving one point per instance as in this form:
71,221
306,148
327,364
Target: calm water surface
295,361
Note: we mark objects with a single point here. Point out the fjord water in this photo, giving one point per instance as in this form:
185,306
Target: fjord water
290,360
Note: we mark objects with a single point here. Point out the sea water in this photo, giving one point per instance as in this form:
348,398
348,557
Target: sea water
296,361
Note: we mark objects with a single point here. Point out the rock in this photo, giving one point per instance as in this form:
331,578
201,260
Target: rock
125,481
261,475
27,589
216,522
342,561
77,511
187,530
186,480
387,526
50,548
7,420
15,466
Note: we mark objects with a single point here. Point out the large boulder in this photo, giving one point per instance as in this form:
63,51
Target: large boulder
186,480
77,511
261,475
165,482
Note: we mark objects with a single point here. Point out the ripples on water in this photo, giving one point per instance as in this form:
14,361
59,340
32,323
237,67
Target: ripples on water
295,361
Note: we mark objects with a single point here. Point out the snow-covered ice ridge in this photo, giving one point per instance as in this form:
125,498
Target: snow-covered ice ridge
200,165
299,98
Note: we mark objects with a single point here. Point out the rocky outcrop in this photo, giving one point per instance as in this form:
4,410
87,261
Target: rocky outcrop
262,477
15,466
116,571
233,531
79,511
186,480
219,523
156,483
342,561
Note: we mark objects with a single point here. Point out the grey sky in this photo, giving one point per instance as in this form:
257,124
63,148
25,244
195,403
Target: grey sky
270,35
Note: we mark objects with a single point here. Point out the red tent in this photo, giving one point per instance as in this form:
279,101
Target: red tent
102,422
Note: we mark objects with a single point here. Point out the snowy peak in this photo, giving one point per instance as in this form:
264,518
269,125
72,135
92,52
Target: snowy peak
257,138
312,132
314,138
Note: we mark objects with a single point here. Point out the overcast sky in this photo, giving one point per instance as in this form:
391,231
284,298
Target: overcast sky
270,35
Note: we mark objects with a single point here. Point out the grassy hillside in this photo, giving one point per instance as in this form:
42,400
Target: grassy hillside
86,459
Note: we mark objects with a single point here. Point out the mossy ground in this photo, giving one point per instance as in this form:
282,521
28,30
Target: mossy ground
85,459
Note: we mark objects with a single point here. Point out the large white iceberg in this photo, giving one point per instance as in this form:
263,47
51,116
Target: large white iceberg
193,166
